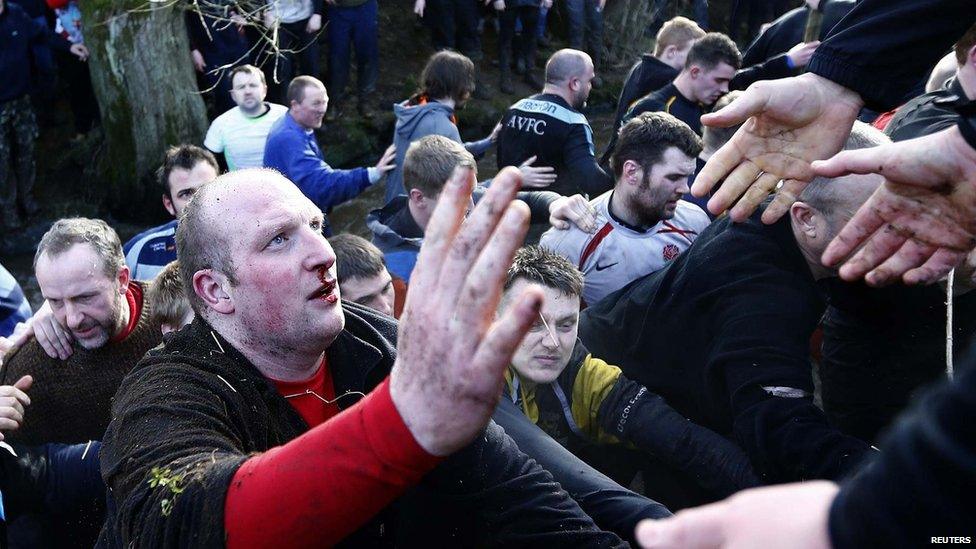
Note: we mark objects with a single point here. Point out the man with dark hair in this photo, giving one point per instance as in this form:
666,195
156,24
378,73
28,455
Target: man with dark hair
654,71
581,401
185,168
723,333
293,150
361,273
550,126
399,226
446,84
239,134
709,68
82,275
278,391
644,223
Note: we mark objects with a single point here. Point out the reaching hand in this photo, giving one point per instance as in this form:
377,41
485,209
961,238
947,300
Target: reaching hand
921,222
13,399
791,122
314,24
198,62
452,355
494,133
80,51
50,335
575,210
801,53
499,5
536,177
418,7
791,515
385,163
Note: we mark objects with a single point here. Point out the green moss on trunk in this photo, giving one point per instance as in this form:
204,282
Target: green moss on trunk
145,85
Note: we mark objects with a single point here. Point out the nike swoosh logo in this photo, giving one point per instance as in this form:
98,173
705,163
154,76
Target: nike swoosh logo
602,267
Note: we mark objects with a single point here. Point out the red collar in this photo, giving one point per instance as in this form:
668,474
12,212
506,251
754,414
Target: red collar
133,296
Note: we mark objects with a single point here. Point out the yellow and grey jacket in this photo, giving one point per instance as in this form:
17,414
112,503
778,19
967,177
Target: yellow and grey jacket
593,402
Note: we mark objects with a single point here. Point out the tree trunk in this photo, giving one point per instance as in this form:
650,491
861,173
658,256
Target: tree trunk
144,81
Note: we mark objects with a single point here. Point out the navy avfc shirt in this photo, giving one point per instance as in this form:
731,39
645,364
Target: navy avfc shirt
148,252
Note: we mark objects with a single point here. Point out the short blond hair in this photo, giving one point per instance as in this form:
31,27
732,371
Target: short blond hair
168,303
677,32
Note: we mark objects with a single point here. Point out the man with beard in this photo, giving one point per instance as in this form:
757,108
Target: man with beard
644,223
550,127
723,333
82,275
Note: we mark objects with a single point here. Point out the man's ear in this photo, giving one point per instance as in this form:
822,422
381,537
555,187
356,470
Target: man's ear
123,278
631,170
417,197
168,204
695,71
971,56
211,286
804,218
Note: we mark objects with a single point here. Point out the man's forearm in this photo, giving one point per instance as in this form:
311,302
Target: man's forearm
334,479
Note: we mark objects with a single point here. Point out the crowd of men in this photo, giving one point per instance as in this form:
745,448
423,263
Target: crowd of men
241,376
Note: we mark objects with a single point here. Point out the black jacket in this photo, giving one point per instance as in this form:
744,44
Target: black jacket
920,485
723,335
927,113
647,75
883,48
197,405
787,31
544,125
670,100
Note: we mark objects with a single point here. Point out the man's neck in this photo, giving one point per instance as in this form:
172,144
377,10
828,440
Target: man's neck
412,209
447,101
258,111
683,83
297,123
621,210
967,81
817,269
126,312
678,68
557,90
273,361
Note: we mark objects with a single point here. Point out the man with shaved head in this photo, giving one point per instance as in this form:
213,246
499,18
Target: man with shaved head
723,332
550,126
278,391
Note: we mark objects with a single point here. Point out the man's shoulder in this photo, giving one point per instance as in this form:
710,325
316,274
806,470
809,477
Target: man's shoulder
166,231
551,106
691,216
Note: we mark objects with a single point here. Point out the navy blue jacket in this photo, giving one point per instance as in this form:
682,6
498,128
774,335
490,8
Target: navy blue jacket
17,33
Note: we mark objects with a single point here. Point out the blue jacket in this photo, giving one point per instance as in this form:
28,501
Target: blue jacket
149,251
293,151
414,122
17,33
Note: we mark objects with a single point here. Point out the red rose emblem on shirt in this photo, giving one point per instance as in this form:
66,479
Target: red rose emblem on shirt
670,252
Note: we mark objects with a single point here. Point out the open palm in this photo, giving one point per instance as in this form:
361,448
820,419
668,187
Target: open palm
921,222
788,124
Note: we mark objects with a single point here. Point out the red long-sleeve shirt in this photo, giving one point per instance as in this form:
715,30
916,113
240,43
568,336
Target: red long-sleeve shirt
324,485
